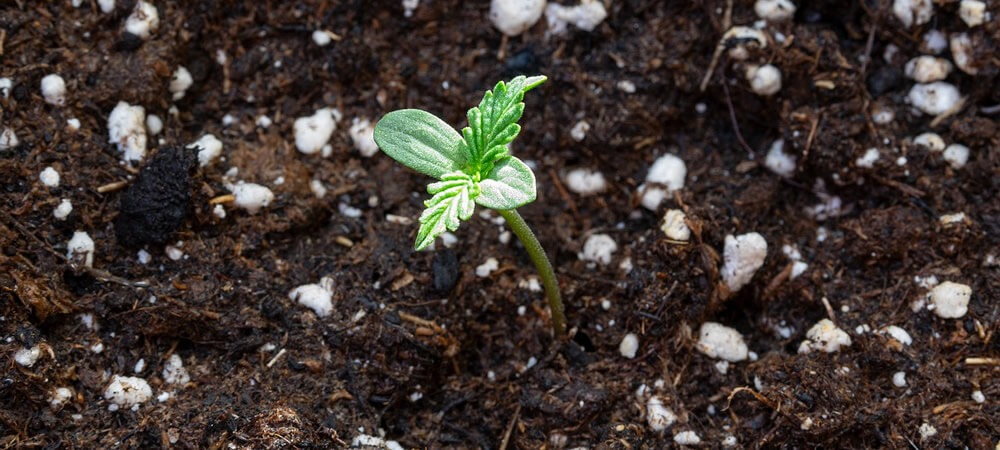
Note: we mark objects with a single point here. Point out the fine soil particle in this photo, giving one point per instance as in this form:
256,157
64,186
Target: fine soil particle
154,207
418,348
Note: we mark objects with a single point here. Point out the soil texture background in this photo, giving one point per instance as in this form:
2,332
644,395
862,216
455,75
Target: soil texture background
432,350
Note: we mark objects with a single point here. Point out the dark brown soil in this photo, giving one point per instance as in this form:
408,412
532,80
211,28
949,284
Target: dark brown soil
418,347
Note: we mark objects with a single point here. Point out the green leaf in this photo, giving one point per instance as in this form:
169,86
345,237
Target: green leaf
493,123
510,184
453,201
421,141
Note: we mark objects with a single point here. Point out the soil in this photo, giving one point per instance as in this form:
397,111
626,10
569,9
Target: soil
418,348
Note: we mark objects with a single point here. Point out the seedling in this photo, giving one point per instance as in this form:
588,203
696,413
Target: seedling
474,167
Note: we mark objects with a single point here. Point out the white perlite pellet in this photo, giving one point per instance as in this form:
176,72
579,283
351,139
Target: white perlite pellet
598,248
6,84
629,345
322,38
585,181
825,336
742,256
951,300
868,159
363,136
961,52
674,227
127,130
251,197
579,131
956,155
81,248
913,12
54,89
687,438
174,371
209,149
409,6
934,42
63,210
973,12
180,82
49,177
585,16
774,10
932,141
658,416
934,98
740,39
59,397
719,341
764,80
666,175
927,69
513,17
27,357
366,441
174,252
487,267
106,5
952,219
8,139
154,124
313,132
898,334
978,397
899,379
779,162
317,188
927,431
143,21
127,392
317,297
882,114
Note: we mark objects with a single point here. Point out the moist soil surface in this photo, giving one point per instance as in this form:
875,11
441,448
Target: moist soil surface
421,351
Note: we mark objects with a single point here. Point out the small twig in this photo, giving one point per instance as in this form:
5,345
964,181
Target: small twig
99,274
778,279
829,309
502,51
736,126
766,401
726,24
562,192
112,186
982,361
812,134
868,48
510,428
227,198
950,112
727,17
275,359
904,188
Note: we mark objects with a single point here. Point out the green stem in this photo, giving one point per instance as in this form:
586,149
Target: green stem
537,254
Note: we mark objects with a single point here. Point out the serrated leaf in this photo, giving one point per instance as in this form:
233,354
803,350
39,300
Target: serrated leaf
421,141
494,122
510,184
452,202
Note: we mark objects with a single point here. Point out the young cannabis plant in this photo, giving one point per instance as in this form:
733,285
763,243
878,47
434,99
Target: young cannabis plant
474,167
